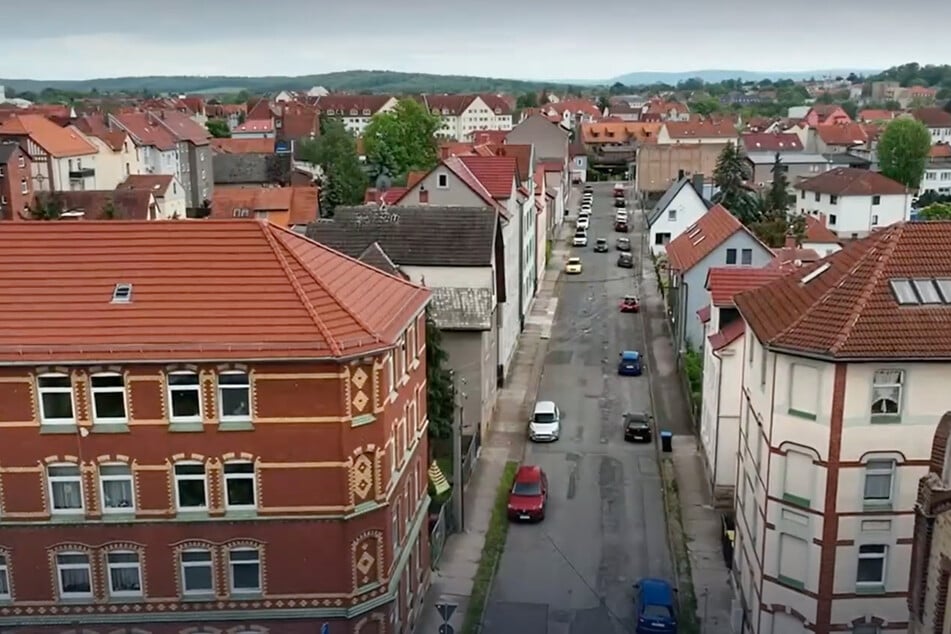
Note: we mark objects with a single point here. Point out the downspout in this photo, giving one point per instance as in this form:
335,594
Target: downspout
716,429
682,326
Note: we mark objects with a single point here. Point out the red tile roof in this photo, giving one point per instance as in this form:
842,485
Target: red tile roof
390,196
488,136
499,104
933,117
847,310
158,184
872,114
496,173
183,127
728,334
56,141
522,153
414,177
724,282
316,302
704,313
771,142
842,134
852,181
300,203
300,122
454,148
346,105
817,232
940,150
702,238
701,130
243,146
453,105
252,126
144,132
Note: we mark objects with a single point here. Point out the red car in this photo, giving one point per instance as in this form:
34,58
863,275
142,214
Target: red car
630,305
529,495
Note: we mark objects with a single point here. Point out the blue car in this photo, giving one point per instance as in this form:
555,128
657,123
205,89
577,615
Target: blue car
630,363
654,606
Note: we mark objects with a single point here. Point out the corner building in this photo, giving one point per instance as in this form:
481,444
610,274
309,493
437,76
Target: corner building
207,427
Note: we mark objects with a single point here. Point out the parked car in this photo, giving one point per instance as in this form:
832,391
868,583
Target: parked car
654,606
573,266
630,304
545,425
637,427
620,203
625,260
529,495
588,188
583,222
601,245
629,363
620,225
624,244
580,239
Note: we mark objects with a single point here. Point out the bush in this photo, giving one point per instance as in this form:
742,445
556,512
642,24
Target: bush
693,368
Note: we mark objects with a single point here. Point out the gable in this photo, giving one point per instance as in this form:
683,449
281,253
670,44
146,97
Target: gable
739,240
688,204
443,187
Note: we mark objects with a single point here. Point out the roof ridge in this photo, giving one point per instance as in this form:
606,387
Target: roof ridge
277,249
357,318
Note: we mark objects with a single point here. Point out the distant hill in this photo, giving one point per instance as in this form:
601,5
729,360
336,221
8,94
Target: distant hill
375,81
716,76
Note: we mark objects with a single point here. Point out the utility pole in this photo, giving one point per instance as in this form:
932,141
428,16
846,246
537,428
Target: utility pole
457,484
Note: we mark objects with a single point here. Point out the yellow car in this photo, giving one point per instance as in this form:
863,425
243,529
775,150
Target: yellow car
573,266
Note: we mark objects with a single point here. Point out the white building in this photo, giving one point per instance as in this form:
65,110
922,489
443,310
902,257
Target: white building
464,114
938,122
116,160
355,111
818,236
840,400
937,176
166,189
680,207
854,201
63,159
156,146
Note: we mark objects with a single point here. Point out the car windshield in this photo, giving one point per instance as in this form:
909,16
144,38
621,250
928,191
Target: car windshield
657,612
544,417
527,488
574,261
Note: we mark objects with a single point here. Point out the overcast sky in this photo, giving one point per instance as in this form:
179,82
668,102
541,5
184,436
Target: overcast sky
555,39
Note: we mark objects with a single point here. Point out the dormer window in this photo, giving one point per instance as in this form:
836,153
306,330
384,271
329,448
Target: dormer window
366,112
353,112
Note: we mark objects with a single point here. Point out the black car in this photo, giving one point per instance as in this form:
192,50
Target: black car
637,427
625,260
620,203
601,245
623,244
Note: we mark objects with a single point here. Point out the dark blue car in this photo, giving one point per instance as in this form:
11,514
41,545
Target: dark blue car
630,363
654,607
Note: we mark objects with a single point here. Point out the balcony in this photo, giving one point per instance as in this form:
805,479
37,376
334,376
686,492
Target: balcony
83,172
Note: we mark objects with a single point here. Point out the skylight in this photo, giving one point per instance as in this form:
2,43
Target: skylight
693,234
122,294
698,240
692,227
921,291
808,277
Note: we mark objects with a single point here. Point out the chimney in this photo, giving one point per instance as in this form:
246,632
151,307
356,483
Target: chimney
791,242
423,196
698,183
822,219
680,175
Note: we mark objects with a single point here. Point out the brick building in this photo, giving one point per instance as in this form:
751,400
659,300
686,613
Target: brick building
207,427
16,187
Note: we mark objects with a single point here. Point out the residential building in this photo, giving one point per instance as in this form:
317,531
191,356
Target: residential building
723,372
191,461
110,204
716,239
463,115
680,207
252,168
116,159
938,122
762,142
61,159
551,141
465,275
157,147
195,155
660,166
16,181
825,114
697,132
615,143
573,112
844,383
836,138
255,129
166,189
937,175
298,123
355,110
284,206
578,163
854,201
243,146
876,115
819,237
795,165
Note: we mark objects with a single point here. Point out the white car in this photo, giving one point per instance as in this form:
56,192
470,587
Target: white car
580,239
545,425
582,222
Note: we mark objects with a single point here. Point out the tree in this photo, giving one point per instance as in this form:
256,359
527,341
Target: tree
440,389
47,208
903,151
109,211
218,128
526,100
402,140
775,223
603,103
778,197
936,211
851,109
825,98
705,106
335,151
730,176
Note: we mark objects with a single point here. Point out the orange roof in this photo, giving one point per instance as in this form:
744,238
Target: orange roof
876,115
158,184
496,173
852,181
724,282
413,178
618,131
722,129
316,302
243,146
55,141
454,148
940,150
842,134
702,238
300,203
817,232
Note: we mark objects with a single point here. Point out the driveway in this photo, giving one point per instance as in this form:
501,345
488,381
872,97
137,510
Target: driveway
605,526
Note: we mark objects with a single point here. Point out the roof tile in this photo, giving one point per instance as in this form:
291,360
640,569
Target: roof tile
852,181
724,282
55,140
702,238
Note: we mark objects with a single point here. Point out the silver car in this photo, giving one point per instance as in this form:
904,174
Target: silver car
545,425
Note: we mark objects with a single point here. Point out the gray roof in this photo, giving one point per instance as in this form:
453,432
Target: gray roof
6,150
668,197
462,308
375,256
787,158
848,159
242,169
413,236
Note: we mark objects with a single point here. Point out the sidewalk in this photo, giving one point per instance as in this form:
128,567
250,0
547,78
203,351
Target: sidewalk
451,582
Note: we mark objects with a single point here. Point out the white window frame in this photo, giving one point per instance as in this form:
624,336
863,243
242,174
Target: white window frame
232,563
62,567
5,576
442,180
53,479
171,403
190,477
44,419
875,467
222,388
391,371
24,187
104,478
102,420
900,385
137,566
883,556
253,476
184,565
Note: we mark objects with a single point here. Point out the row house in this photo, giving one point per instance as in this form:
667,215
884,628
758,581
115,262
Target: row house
466,276
16,181
853,201
355,111
552,147
163,473
937,174
844,383
62,159
938,122
573,112
462,115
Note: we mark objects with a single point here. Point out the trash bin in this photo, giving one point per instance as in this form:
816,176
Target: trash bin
666,441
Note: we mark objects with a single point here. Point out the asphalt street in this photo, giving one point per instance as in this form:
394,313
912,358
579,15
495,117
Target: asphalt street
605,527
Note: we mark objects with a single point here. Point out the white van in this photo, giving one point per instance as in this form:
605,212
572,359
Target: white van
545,425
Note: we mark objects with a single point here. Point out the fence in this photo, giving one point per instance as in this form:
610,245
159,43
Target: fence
443,522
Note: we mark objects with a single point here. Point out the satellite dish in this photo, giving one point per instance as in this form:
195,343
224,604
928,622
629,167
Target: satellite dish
383,182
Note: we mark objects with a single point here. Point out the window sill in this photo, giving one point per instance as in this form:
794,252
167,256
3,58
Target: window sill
800,414
876,506
76,600
872,588
199,598
363,419
796,500
58,428
246,596
192,516
119,517
67,517
241,514
186,427
110,428
792,583
885,419
236,425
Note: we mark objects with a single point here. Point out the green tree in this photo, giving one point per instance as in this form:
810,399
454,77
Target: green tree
775,222
218,128
705,106
335,152
402,140
109,211
892,105
936,211
730,176
440,388
851,109
603,103
47,208
903,151
778,196
526,100
825,98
